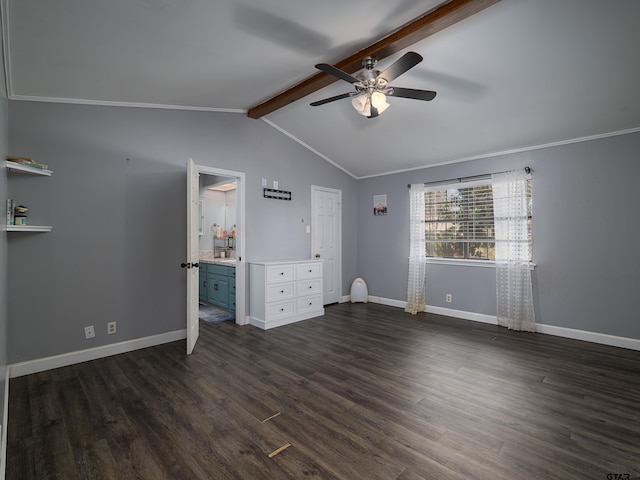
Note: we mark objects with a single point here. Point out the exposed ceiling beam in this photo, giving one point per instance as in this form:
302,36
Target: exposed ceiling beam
405,36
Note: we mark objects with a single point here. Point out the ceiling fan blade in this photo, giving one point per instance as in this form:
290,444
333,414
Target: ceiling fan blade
404,63
333,99
336,72
412,93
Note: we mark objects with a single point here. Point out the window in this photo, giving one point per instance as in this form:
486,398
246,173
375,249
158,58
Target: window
459,221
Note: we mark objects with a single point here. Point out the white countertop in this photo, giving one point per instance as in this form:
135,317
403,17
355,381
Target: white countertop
230,262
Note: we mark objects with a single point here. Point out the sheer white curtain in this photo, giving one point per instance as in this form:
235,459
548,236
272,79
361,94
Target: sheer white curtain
513,275
416,301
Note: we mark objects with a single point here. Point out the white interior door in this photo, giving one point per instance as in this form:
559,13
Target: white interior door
326,238
193,254
193,245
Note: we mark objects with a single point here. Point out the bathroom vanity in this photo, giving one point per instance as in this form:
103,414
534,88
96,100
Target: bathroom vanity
284,292
218,283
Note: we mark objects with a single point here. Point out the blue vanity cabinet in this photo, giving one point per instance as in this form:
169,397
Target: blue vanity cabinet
232,289
202,282
218,285
221,286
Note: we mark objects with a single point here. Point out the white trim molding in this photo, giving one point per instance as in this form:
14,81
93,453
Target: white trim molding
71,358
508,152
390,302
574,334
476,317
110,103
593,337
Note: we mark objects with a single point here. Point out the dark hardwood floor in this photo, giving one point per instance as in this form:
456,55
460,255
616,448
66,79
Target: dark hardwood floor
365,392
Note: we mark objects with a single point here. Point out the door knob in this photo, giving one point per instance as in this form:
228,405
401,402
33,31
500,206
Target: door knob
185,265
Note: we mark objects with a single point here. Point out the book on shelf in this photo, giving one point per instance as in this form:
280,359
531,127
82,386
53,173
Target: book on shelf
26,161
10,204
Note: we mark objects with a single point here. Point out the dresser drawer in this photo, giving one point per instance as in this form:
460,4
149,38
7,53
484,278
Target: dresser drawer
308,270
281,291
309,287
309,303
280,309
280,273
284,292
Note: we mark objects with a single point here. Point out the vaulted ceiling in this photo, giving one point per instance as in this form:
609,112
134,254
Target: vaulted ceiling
515,75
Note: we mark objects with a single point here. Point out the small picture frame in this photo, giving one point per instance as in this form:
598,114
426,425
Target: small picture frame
379,205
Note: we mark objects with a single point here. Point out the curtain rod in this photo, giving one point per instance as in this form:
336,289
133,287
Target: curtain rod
466,179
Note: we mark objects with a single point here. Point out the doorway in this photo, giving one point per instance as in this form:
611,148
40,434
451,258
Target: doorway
326,238
218,239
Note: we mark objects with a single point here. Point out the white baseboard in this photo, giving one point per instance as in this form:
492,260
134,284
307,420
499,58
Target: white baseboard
4,425
476,317
261,323
593,337
71,358
387,301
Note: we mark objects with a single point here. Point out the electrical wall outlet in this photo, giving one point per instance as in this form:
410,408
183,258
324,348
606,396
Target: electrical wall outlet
89,332
111,328
448,298
275,184
264,183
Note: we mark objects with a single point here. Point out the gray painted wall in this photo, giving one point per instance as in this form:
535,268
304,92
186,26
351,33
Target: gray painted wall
584,206
3,243
117,201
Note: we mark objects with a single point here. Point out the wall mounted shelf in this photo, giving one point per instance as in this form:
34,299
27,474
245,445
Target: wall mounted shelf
22,168
26,169
27,228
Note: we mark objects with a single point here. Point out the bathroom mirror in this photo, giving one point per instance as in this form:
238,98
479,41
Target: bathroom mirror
230,210
201,216
219,213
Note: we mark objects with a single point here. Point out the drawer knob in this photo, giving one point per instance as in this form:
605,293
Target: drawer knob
310,286
281,291
310,271
282,309
281,273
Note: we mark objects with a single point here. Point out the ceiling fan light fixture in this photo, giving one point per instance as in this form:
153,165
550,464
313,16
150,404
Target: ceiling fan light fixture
362,104
372,87
379,101
365,101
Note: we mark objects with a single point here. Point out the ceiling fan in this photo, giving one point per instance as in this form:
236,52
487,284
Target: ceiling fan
372,86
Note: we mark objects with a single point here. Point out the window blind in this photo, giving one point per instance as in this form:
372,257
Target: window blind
459,220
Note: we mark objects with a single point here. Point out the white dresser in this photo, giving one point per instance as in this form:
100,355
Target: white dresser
284,292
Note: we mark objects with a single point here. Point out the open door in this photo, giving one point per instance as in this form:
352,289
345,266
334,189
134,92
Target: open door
193,254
